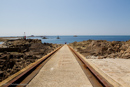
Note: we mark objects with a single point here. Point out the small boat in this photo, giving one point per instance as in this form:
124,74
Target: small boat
75,35
44,38
58,37
32,35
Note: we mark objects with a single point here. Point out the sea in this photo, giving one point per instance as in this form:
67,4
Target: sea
1,42
70,39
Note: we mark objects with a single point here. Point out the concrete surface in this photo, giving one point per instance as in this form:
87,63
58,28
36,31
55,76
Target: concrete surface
117,69
62,70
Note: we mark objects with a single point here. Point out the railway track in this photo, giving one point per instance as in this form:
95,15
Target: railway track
24,76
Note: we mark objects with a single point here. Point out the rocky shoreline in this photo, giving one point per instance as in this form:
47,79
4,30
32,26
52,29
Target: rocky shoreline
101,49
17,54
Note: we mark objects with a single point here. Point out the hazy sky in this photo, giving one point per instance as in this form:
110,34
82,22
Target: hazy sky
64,17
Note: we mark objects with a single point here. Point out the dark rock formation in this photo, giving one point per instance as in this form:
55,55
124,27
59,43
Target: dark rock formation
29,51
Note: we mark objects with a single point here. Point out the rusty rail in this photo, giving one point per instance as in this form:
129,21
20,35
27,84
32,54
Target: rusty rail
24,76
106,82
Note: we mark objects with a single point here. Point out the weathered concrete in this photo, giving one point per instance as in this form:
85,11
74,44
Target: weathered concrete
117,69
62,70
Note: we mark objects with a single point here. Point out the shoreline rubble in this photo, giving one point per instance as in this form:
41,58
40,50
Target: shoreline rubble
20,53
101,49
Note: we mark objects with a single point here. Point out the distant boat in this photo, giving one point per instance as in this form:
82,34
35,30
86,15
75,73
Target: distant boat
58,37
44,38
75,35
32,35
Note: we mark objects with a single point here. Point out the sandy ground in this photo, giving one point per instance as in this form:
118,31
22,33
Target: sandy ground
117,69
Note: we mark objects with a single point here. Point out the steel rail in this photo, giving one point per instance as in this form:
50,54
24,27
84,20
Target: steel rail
106,82
23,76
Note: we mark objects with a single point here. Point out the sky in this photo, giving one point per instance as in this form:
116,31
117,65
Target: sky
64,17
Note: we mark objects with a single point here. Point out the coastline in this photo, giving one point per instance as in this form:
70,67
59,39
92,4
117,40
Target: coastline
71,38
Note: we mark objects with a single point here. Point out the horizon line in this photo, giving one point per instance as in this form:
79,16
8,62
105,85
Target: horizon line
62,35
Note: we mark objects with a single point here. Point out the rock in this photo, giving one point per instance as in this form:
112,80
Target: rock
30,51
114,49
100,57
1,73
124,47
121,52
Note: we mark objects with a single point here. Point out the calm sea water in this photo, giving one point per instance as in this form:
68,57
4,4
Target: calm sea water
1,42
70,39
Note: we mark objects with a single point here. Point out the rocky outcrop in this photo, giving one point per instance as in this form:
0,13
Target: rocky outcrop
103,49
30,51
